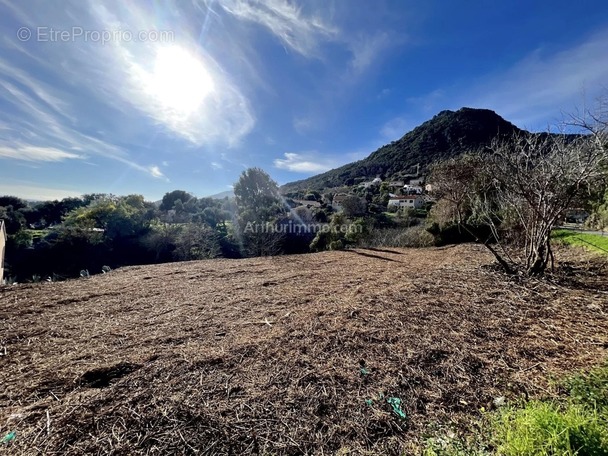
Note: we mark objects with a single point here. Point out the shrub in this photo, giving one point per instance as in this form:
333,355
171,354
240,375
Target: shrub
415,236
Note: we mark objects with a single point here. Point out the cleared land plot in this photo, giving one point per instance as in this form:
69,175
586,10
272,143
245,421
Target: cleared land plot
285,355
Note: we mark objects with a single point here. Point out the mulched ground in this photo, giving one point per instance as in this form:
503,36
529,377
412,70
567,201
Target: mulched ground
288,355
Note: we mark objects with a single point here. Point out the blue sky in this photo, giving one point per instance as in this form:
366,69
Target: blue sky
148,96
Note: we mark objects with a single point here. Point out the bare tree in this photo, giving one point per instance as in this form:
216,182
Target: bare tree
530,180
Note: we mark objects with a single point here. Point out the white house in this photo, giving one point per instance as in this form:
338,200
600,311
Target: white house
408,188
408,201
376,182
2,247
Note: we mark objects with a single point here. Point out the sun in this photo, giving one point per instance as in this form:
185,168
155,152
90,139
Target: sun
179,80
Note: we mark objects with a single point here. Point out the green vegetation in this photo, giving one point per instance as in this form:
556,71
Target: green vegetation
446,135
592,242
574,424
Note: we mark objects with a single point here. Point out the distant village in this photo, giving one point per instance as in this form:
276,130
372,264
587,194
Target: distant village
409,192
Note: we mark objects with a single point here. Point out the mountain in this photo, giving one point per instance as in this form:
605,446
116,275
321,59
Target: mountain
448,134
222,195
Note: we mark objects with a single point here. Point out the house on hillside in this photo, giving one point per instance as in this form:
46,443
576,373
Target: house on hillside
409,189
375,183
409,201
2,249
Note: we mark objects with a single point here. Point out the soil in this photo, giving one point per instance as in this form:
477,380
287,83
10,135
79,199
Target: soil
353,352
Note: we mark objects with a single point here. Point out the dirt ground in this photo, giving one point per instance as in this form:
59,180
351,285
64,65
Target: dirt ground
353,352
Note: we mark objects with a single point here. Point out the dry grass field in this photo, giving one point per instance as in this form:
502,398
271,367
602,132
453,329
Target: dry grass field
287,355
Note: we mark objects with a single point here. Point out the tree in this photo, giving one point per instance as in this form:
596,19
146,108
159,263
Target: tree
258,204
520,187
197,242
353,206
170,198
118,217
15,202
452,181
256,193
529,181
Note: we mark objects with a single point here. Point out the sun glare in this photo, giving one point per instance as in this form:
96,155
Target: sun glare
180,81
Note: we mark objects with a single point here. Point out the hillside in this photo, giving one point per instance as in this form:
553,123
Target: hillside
446,135
287,355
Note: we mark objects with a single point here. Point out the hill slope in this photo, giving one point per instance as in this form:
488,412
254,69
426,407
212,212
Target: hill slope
446,135
287,355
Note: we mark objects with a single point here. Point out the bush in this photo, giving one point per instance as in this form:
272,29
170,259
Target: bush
415,236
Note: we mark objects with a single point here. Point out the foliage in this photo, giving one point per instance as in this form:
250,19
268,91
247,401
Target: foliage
169,199
161,240
196,242
118,217
353,206
446,135
599,214
257,195
340,233
259,205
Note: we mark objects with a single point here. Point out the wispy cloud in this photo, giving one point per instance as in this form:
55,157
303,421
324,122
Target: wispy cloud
42,125
156,172
541,85
31,153
303,163
367,49
285,20
178,85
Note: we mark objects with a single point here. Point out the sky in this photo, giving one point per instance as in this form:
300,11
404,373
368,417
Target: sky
145,97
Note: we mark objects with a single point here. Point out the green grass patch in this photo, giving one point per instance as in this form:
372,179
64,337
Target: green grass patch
574,424
592,242
548,428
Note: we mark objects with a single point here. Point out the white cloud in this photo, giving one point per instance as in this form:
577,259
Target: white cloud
156,172
302,163
32,153
216,165
285,20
